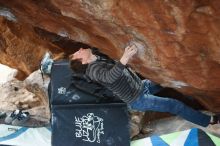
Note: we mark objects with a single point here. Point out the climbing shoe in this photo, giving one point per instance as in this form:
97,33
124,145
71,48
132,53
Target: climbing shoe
12,116
21,119
2,115
215,119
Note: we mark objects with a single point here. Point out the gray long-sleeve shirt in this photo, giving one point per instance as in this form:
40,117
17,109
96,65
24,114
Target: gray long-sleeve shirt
117,78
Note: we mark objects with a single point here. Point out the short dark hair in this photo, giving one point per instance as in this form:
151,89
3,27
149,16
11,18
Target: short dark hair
77,66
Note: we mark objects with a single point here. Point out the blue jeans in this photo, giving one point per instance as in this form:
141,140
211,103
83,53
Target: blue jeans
149,102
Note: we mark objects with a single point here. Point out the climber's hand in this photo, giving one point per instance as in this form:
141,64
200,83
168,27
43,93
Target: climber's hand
128,54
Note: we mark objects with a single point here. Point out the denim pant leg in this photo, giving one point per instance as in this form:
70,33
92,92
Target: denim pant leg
151,86
149,102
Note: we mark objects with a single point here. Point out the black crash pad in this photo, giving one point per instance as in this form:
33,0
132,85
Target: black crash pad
79,120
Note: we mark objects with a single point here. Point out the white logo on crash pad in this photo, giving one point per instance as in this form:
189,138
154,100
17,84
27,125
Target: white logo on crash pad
61,90
89,128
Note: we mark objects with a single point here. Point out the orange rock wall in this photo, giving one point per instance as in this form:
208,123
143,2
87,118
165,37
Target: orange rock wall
181,38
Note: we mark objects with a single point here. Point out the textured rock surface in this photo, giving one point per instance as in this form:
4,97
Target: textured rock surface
7,73
135,123
180,38
28,96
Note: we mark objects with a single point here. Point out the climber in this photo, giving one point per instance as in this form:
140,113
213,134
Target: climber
125,84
